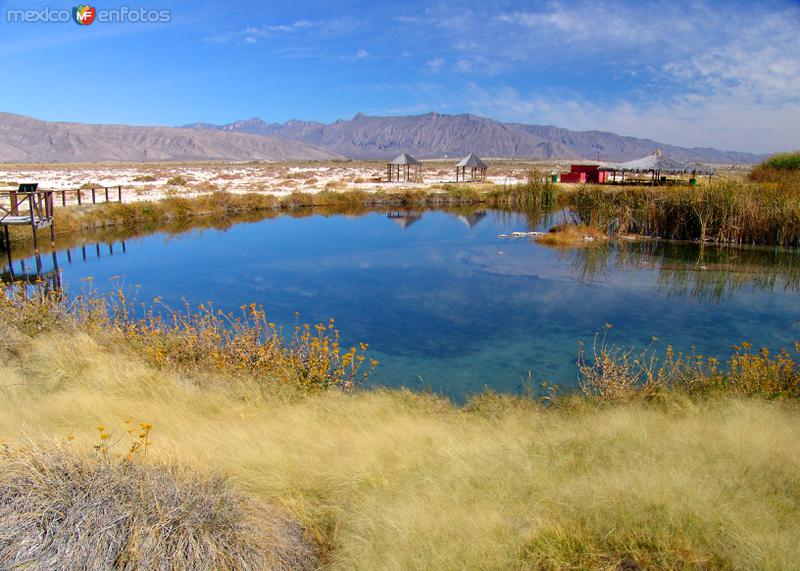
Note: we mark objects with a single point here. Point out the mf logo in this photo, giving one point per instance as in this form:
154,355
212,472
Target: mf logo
84,14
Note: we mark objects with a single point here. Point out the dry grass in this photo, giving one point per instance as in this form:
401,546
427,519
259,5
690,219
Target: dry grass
571,235
389,480
394,480
60,509
729,212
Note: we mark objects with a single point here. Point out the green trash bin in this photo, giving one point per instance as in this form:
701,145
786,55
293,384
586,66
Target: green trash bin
554,178
693,182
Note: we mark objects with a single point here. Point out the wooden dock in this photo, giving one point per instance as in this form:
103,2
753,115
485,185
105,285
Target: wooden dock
27,206
33,207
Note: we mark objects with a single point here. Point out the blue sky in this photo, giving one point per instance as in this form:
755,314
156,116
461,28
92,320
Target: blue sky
723,74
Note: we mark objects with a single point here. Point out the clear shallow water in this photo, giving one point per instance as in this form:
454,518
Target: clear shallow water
450,306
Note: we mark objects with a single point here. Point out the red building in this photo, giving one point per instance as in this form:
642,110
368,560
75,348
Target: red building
584,173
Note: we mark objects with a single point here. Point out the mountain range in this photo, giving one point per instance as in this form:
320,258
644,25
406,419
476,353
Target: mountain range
433,135
24,139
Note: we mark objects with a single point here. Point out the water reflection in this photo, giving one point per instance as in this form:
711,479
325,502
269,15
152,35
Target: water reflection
703,273
471,219
44,270
404,219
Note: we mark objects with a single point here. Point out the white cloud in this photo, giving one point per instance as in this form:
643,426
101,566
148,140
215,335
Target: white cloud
251,34
689,73
731,124
435,65
361,54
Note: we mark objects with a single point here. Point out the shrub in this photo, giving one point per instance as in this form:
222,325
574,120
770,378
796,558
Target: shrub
178,181
783,161
63,510
616,373
200,340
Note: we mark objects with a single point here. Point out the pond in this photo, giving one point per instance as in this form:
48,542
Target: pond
448,305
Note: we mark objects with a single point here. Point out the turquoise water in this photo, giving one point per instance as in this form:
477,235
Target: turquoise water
447,305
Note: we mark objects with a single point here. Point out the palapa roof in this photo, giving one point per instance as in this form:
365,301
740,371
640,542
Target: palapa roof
404,219
472,160
405,159
657,162
473,218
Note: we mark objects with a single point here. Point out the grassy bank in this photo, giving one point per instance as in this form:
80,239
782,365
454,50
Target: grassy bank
660,467
764,210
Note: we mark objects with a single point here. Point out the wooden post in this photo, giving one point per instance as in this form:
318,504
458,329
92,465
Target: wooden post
33,224
8,250
106,189
14,203
79,196
63,198
119,194
48,214
52,220
94,201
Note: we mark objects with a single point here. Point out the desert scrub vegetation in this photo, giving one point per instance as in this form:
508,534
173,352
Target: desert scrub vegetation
145,178
61,508
685,476
177,180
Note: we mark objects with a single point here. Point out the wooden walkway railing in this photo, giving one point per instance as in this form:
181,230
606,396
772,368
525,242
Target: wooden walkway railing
98,194
109,197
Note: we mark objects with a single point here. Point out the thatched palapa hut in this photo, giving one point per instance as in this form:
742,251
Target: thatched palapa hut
404,168
474,165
